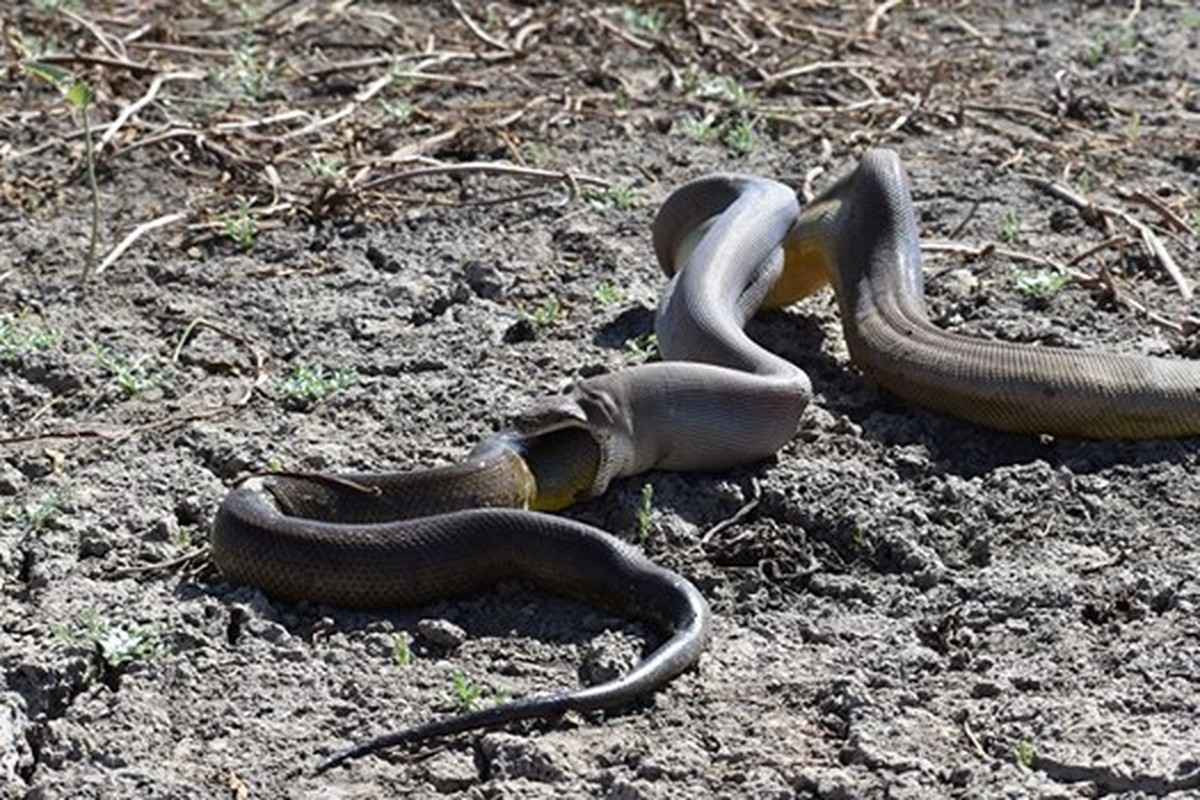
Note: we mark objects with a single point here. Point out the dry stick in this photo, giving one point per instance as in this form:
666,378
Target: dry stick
816,66
370,90
1166,212
878,14
102,61
490,168
104,39
151,92
1082,278
1151,241
480,33
134,235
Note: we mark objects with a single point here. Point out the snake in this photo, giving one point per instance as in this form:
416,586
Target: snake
731,246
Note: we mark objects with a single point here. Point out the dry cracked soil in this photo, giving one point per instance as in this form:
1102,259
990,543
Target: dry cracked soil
364,234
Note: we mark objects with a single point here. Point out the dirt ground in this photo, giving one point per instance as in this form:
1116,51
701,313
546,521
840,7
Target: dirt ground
381,229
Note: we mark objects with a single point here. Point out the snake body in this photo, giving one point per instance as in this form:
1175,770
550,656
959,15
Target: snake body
731,244
862,233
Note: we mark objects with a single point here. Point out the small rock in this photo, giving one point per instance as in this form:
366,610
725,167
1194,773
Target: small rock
442,633
451,771
609,657
484,280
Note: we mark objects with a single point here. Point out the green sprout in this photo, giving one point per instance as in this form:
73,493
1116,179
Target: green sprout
699,130
79,95
1039,283
240,225
17,340
643,514
307,385
544,315
117,644
1025,754
1010,228
468,694
133,377
40,515
741,138
606,294
620,197
401,111
401,650
640,20
643,348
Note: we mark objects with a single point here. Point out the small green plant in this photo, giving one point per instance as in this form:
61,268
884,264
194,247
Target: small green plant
1025,754
80,95
643,515
1039,282
306,385
1084,183
18,340
40,515
643,348
1010,227
543,315
467,694
401,111
251,75
741,139
607,295
240,225
861,539
619,196
699,130
1190,19
116,644
274,464
1196,222
401,650
1095,52
1134,129
326,169
640,20
133,377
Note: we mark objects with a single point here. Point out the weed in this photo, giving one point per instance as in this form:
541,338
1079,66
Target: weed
741,139
117,644
639,20
468,695
1025,754
606,294
251,75
544,315
41,515
1095,52
17,340
307,385
1134,130
324,169
274,464
1196,222
401,650
133,377
618,196
80,95
700,130
861,539
643,514
1190,19
643,348
240,225
401,111
1010,228
1039,282
1084,183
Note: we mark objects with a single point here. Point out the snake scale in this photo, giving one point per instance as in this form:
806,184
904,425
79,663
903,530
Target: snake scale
732,245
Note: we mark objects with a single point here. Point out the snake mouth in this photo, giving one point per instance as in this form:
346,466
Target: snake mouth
564,461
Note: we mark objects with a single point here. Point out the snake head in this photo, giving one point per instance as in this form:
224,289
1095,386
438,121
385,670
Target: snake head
574,443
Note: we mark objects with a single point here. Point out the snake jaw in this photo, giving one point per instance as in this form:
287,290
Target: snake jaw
575,443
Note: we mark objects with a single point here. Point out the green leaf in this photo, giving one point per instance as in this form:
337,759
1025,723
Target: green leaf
79,95
57,77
